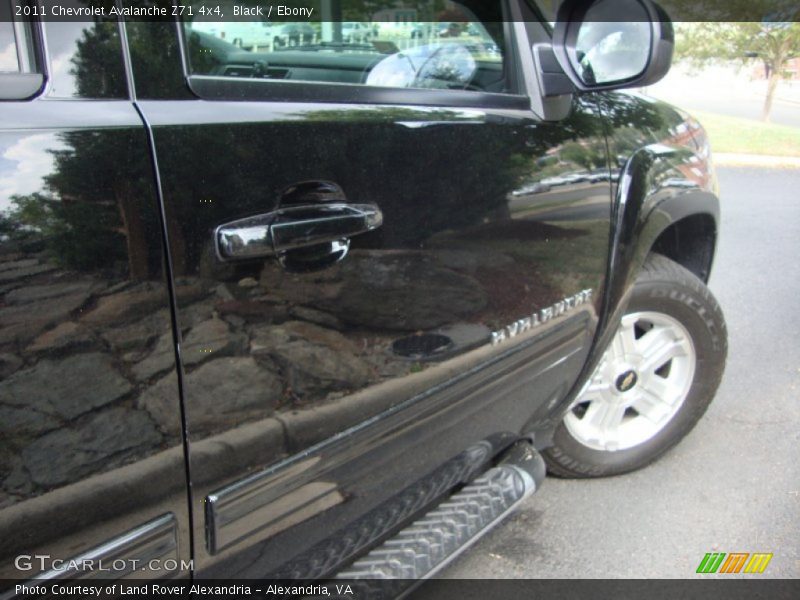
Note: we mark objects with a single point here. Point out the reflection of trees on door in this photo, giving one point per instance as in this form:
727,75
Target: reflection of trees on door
90,214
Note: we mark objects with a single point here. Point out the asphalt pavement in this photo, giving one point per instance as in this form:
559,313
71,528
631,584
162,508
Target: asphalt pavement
733,485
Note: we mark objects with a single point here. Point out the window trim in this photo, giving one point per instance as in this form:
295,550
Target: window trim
216,87
530,30
24,54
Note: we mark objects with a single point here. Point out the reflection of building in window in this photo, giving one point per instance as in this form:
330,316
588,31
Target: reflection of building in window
791,70
430,12
398,16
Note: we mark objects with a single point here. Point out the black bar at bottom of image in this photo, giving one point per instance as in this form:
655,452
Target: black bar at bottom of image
436,589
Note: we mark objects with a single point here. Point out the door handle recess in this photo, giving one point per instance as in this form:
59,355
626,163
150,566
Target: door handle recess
294,227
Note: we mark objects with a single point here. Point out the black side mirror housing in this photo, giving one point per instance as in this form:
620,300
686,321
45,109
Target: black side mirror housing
613,44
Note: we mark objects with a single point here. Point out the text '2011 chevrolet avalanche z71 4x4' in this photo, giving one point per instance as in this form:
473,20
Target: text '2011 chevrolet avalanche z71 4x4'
287,308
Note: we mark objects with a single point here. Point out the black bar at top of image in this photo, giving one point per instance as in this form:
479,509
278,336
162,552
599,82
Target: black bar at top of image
764,11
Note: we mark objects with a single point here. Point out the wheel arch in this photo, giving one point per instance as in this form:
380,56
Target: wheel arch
658,208
690,242
655,210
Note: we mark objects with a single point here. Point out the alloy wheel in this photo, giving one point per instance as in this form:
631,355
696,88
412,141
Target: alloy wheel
639,385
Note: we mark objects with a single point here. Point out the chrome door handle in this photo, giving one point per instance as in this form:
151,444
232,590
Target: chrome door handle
294,227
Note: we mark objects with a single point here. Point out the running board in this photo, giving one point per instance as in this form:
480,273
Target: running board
430,543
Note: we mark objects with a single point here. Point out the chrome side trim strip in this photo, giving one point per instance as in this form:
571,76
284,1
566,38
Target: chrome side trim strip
135,549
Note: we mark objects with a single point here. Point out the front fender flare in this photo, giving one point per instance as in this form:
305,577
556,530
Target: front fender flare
654,191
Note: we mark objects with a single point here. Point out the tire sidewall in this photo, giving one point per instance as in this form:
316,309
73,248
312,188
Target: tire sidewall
703,321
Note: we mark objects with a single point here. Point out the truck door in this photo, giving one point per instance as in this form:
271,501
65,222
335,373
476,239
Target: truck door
86,473
398,260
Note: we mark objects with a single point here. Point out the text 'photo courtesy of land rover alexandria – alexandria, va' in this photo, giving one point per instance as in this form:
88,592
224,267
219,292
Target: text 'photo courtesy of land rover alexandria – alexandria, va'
278,295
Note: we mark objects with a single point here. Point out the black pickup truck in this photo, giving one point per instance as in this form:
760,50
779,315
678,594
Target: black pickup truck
301,311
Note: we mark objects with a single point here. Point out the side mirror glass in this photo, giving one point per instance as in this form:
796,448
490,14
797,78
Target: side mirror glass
607,44
610,52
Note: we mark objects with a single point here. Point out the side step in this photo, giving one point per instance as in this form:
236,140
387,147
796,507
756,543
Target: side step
429,544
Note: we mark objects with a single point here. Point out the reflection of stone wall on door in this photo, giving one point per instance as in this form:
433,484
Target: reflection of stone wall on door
88,363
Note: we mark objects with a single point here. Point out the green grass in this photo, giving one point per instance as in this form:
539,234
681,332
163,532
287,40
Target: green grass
747,136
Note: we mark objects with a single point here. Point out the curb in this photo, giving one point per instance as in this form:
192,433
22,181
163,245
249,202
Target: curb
756,160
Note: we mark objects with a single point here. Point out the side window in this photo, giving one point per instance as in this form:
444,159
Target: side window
85,60
426,44
20,73
9,55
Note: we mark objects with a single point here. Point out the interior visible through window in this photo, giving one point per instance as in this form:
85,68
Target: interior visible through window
430,44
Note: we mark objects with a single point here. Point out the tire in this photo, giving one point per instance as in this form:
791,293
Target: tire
622,421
